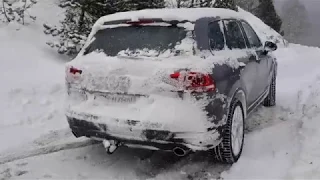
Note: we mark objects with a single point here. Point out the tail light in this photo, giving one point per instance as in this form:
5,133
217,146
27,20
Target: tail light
73,70
72,74
195,81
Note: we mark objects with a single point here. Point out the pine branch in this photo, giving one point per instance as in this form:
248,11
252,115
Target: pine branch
24,9
4,11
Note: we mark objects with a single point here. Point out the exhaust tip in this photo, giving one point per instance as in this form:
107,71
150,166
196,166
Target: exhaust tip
179,152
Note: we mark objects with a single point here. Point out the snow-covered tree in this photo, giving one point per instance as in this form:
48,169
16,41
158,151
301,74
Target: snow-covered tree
16,10
129,5
248,5
267,13
295,20
82,14
189,3
229,4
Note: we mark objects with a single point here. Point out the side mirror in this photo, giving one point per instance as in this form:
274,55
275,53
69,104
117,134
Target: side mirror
270,46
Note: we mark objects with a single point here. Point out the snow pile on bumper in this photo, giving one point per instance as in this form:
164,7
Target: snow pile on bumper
164,120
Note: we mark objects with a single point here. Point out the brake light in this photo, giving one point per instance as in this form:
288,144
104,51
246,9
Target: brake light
73,70
141,21
194,81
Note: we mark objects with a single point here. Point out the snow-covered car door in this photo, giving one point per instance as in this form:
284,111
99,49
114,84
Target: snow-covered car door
264,61
235,41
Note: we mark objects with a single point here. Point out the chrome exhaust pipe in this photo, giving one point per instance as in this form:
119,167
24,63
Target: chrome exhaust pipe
180,152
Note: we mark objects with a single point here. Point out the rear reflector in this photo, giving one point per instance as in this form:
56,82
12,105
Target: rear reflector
194,81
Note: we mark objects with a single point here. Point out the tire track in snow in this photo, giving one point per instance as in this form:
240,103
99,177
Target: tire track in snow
307,156
301,109
156,165
195,166
45,150
199,166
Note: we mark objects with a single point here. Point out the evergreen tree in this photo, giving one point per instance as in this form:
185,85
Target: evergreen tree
82,14
228,4
248,5
267,13
143,4
16,10
189,3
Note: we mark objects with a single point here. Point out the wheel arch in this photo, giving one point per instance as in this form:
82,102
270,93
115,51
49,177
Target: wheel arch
240,95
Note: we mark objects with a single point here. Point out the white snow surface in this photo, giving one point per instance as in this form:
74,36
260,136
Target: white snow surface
281,143
32,90
288,149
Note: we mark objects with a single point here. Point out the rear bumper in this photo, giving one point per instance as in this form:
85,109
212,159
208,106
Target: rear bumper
149,139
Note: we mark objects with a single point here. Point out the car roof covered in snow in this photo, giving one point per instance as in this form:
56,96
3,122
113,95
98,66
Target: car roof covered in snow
180,14
184,14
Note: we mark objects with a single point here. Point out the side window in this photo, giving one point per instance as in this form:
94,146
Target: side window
234,37
216,38
252,36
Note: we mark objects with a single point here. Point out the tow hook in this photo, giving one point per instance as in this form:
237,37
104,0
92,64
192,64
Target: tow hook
111,145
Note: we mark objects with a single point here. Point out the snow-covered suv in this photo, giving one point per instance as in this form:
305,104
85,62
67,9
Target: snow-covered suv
180,80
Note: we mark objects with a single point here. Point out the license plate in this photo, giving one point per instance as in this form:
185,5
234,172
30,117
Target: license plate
117,98
110,83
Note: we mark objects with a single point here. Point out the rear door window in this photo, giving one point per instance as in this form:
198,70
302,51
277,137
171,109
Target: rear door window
251,35
234,36
216,37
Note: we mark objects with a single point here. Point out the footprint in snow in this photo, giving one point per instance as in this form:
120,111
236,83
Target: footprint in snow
20,173
47,176
21,164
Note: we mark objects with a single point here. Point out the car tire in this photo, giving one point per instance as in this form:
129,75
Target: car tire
230,149
270,100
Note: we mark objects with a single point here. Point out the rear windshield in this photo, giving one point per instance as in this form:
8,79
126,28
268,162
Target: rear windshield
133,39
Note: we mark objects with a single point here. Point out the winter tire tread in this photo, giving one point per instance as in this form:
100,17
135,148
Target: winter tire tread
223,152
270,100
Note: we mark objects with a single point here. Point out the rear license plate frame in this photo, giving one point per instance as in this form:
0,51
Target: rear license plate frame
117,98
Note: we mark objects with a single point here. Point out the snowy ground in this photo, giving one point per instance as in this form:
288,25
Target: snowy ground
281,142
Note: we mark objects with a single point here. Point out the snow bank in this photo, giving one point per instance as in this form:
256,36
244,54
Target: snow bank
307,162
288,150
32,92
32,87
